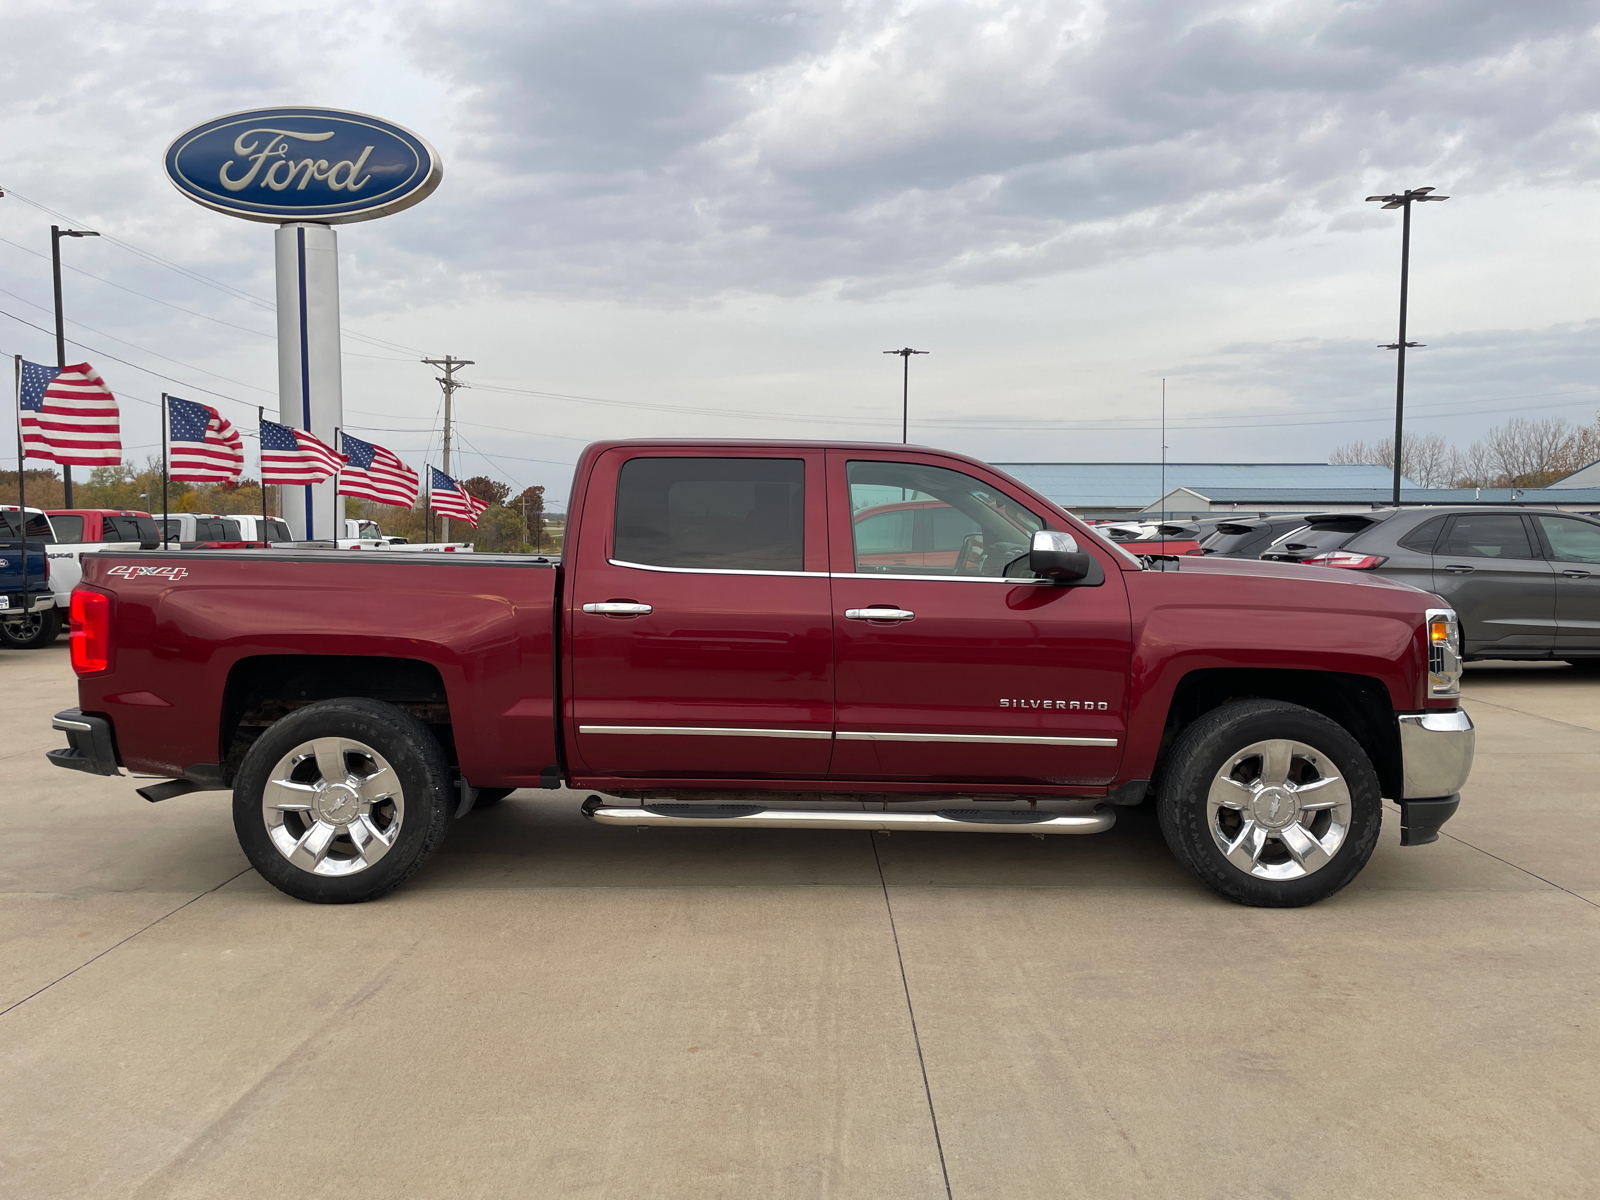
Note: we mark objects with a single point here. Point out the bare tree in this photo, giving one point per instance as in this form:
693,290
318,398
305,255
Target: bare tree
1426,461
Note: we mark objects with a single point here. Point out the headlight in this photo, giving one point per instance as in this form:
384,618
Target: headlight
1443,631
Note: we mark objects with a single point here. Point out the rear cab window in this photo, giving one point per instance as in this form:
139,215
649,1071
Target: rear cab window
69,528
39,529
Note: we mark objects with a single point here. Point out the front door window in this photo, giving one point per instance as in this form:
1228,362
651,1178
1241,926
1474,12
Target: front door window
913,519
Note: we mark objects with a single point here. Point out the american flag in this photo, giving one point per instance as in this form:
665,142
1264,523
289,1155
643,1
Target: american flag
294,456
206,448
448,498
375,473
69,416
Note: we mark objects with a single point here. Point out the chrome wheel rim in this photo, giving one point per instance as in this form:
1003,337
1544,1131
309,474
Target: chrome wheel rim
1279,810
333,806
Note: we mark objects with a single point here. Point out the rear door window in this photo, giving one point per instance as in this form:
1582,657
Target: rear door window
277,531
726,514
1487,535
1571,540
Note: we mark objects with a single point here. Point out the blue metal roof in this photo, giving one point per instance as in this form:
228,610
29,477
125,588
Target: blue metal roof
1135,484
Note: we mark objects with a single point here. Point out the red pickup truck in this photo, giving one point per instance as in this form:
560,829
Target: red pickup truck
715,649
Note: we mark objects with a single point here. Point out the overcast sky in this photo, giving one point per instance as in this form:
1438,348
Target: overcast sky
710,219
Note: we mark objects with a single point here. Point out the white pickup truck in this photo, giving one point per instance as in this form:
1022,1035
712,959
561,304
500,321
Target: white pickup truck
72,532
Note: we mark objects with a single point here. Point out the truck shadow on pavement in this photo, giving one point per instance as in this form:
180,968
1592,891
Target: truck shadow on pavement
532,841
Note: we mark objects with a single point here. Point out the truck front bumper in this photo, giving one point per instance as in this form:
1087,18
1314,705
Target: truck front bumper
91,747
1437,749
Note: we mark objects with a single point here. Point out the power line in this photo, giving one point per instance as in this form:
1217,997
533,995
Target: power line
196,276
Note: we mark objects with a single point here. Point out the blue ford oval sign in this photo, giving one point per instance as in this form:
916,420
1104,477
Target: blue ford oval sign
303,164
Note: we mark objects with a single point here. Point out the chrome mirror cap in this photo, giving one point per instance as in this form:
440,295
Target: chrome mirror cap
1054,540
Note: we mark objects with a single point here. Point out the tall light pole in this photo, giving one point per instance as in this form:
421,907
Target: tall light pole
1403,201
56,234
905,354
449,383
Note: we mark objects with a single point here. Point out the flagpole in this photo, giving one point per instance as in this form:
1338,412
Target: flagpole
22,493
261,415
338,517
163,470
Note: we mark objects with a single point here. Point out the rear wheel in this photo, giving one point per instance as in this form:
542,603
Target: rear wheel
1270,804
34,632
342,801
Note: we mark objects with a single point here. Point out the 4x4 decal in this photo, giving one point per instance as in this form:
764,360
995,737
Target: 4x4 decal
129,571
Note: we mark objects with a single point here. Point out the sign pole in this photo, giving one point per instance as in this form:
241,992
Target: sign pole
338,516
261,415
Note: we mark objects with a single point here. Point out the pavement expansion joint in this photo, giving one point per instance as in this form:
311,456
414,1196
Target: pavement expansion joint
123,942
911,1012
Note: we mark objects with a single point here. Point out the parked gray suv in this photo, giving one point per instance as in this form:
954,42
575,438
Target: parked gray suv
1525,582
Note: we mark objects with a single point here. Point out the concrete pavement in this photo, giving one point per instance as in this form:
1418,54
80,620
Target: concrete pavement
554,1008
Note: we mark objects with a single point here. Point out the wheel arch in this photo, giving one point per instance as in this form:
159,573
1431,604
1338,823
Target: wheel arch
263,689
1358,703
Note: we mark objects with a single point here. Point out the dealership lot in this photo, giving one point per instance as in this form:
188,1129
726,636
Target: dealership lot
555,1008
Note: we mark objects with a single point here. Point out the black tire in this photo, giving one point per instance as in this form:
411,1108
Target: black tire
1200,754
419,765
489,797
33,632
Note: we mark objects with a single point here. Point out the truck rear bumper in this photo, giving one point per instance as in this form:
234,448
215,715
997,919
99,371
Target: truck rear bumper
91,748
13,604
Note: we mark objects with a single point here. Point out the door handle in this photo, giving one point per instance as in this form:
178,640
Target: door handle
1576,574
619,608
1459,568
879,612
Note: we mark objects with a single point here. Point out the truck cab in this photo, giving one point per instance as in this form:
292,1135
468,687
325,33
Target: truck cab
28,616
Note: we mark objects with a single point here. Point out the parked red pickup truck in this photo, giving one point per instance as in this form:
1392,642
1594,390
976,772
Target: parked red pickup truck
715,650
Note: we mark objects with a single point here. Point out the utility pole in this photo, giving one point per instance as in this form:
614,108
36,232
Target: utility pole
905,354
56,234
449,383
1403,200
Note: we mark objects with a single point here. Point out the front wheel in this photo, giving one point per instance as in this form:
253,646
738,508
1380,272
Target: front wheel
342,801
34,632
1270,804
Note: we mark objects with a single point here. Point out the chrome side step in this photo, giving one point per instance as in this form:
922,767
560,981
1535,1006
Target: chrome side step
751,816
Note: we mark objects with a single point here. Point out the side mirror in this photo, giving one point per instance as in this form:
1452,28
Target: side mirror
1055,555
150,543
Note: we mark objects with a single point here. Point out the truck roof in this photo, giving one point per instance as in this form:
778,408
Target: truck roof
104,512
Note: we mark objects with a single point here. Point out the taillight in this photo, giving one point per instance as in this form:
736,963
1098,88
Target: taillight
91,631
1346,560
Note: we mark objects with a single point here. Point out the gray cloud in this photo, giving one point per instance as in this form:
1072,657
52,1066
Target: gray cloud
694,147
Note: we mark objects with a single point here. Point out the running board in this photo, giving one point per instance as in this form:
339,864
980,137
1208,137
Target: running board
751,816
